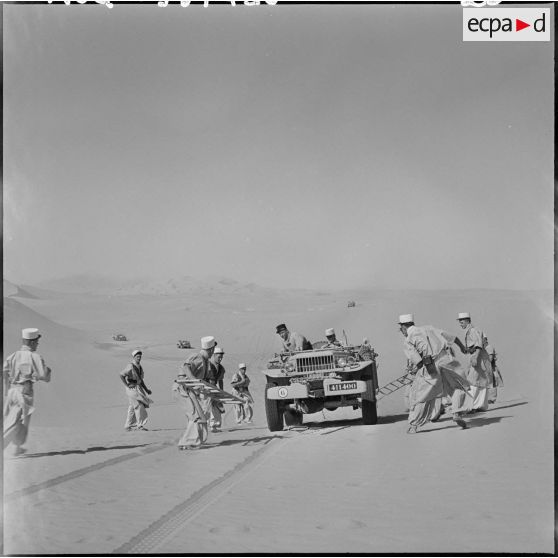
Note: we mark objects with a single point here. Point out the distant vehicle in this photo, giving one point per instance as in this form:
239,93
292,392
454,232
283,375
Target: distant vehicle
182,344
351,304
305,382
119,337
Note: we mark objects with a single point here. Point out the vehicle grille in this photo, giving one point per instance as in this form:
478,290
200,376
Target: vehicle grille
315,363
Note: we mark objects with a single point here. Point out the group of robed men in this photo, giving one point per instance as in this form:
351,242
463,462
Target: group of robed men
438,377
206,365
439,380
202,411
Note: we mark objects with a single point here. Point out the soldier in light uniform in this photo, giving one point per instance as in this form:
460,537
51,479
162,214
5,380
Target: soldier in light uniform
332,340
479,373
21,370
133,378
240,383
436,372
497,380
292,341
195,406
217,375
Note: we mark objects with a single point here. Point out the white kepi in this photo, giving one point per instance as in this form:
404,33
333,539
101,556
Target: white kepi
406,318
330,331
463,316
208,342
30,333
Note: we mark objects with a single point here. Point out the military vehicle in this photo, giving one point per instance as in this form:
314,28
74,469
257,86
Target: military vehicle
119,337
182,344
351,304
305,382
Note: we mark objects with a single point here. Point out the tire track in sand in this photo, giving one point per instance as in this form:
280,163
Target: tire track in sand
83,471
166,526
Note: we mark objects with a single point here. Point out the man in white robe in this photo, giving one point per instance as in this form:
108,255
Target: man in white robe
196,407
21,370
479,373
138,393
436,372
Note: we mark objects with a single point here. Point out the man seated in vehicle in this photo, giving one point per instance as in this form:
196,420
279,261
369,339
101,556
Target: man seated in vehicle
332,341
292,341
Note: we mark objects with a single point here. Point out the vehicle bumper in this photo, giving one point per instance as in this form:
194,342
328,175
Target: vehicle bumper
332,388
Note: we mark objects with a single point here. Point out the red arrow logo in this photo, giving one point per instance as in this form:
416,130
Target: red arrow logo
519,25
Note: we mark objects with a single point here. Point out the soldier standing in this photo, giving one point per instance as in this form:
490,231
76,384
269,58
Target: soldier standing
217,375
137,392
480,370
21,370
240,383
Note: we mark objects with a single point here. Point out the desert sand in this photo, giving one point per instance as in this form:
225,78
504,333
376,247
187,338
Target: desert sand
87,486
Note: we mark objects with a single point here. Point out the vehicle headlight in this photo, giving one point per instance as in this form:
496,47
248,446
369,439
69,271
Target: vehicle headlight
351,361
290,367
342,362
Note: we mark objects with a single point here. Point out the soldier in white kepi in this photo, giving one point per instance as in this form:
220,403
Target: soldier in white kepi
196,408
217,375
138,393
436,372
479,373
332,340
240,383
21,370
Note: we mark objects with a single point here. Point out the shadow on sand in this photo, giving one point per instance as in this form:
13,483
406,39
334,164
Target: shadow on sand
476,422
260,440
508,406
80,451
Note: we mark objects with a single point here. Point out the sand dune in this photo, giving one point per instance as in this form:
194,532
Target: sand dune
338,486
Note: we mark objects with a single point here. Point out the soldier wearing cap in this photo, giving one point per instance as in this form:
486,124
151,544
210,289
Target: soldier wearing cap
479,373
21,370
332,341
216,377
240,383
138,401
497,380
292,341
436,372
196,367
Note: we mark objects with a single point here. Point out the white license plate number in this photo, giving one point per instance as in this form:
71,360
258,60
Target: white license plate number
343,387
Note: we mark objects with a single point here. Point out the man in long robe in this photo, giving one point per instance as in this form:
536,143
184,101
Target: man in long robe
196,407
479,373
21,370
216,377
138,393
436,371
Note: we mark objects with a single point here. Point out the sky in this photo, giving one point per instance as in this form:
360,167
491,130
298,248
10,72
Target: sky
301,146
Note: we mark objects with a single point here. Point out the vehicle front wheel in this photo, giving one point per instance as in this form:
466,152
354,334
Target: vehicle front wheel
369,412
274,412
369,409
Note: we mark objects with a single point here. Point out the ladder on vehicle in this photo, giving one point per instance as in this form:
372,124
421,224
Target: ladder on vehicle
400,382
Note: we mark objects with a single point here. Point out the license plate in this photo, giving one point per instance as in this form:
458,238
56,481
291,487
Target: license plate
342,387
